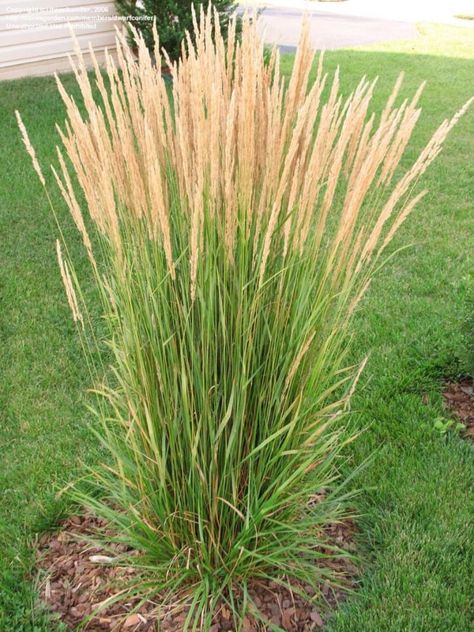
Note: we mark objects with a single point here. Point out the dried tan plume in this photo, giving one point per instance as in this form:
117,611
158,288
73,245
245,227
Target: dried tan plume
277,163
29,148
69,286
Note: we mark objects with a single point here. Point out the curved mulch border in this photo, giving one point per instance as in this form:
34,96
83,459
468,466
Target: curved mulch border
459,398
74,582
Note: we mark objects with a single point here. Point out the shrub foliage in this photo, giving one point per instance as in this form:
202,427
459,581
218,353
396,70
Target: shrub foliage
173,19
237,223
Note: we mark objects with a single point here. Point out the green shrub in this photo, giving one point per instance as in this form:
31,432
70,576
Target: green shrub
173,19
239,222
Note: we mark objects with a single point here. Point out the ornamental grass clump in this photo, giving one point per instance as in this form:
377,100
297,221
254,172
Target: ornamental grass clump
233,222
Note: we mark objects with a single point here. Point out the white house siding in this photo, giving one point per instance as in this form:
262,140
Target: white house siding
35,38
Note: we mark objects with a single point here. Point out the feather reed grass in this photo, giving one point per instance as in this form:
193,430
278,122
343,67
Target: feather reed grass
239,221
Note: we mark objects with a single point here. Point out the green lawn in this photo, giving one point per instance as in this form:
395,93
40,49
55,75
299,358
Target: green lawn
417,504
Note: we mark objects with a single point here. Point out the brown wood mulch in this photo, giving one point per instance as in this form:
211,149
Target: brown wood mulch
459,398
75,578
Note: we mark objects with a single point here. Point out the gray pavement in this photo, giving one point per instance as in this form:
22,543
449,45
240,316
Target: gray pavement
282,25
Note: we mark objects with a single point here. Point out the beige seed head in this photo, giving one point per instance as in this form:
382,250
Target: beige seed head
29,148
277,163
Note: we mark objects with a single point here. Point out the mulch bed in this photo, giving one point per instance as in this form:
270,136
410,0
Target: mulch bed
74,581
459,398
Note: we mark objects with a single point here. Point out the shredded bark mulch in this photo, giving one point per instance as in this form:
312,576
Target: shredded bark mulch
459,398
75,579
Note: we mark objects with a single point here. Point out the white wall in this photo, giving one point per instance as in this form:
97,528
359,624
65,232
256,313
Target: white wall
35,37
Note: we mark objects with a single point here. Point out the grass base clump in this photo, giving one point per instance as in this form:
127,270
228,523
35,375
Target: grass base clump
236,223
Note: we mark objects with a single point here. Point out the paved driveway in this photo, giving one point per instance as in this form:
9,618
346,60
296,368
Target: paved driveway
281,25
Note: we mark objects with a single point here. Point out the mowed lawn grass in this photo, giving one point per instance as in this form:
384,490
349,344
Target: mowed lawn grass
415,533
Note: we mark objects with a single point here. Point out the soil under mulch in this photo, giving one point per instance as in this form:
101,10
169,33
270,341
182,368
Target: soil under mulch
74,581
459,398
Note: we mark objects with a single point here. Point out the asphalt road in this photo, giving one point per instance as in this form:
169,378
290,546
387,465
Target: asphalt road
330,30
